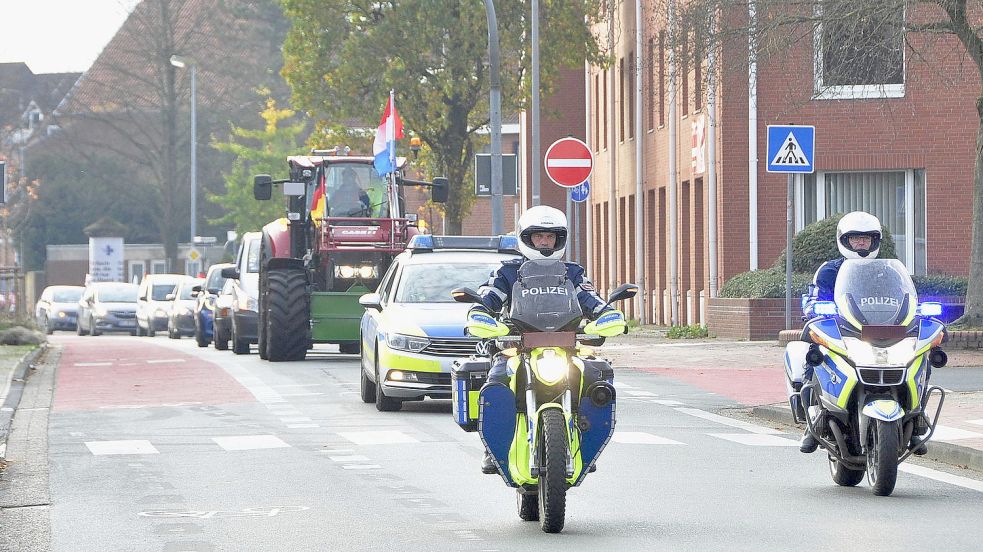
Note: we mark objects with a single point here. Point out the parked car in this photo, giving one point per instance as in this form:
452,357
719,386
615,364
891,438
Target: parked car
413,330
181,320
244,280
107,307
57,308
222,315
152,305
204,310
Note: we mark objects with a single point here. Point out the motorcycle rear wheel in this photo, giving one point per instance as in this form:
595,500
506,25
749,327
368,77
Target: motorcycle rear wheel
882,457
552,471
844,476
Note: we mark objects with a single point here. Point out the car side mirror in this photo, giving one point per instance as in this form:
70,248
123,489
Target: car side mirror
169,297
371,301
440,190
230,272
466,295
262,187
196,289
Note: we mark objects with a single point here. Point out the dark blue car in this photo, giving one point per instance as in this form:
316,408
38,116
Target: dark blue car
205,305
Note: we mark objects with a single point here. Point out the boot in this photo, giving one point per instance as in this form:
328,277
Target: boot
488,464
808,444
918,447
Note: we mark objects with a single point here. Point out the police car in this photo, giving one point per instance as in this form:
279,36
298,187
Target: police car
413,330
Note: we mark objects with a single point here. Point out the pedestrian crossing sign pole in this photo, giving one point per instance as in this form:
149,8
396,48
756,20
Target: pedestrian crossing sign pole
791,150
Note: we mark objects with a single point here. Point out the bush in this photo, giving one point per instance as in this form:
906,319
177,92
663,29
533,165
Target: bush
940,285
816,244
694,331
19,335
769,282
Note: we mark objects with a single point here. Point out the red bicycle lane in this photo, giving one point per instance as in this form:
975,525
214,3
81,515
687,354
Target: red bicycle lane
108,372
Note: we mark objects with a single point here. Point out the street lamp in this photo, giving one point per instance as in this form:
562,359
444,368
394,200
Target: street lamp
181,62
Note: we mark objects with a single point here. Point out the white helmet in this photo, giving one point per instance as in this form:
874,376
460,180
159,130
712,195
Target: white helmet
858,223
542,219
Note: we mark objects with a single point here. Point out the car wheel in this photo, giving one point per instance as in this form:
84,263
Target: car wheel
220,339
382,402
200,334
92,327
366,387
151,330
171,331
47,326
133,333
78,328
239,346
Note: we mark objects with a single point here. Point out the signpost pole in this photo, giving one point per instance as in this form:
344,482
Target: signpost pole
789,231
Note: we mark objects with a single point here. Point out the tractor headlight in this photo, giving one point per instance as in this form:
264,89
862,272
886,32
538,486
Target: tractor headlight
345,271
409,343
551,367
367,272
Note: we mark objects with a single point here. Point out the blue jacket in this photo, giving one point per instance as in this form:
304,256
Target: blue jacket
495,293
823,284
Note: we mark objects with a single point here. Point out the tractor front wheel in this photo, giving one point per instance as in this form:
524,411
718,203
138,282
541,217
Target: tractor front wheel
288,314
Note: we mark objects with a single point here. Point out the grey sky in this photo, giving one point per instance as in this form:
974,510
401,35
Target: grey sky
54,36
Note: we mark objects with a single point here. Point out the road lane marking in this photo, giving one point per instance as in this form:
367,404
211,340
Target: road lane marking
165,360
729,421
249,442
93,364
361,466
635,393
947,433
757,439
377,437
943,477
102,448
350,458
308,394
976,422
641,438
667,402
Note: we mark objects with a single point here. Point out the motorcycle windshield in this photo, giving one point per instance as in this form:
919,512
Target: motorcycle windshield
874,291
544,299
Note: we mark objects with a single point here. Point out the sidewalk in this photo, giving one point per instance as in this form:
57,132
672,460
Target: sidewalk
752,373
14,364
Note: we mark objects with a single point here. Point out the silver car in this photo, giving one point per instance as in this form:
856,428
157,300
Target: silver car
181,320
108,307
57,308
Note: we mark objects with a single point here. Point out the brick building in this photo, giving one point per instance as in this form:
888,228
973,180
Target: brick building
901,147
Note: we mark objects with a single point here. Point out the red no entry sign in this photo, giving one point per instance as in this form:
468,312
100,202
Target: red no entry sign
569,162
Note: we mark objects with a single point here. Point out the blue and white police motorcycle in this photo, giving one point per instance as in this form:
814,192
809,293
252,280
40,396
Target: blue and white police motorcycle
868,356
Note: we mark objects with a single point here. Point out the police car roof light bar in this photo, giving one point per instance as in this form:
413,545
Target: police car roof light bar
422,243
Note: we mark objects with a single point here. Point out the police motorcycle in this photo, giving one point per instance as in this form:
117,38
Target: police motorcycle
868,355
546,429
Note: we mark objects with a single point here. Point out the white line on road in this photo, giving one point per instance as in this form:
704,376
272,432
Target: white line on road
93,364
377,437
100,448
729,421
302,426
350,458
641,438
757,439
361,466
635,393
165,360
947,433
667,402
249,442
309,394
929,473
976,422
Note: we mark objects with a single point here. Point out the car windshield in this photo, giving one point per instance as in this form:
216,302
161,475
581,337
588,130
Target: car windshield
160,291
121,294
67,296
215,281
874,291
185,291
433,282
355,190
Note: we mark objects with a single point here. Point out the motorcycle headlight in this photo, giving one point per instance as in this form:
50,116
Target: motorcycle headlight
551,367
409,343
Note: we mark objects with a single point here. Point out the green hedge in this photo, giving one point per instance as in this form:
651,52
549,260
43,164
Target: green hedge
940,285
769,282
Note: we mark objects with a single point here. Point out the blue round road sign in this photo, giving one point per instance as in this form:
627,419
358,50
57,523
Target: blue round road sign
580,192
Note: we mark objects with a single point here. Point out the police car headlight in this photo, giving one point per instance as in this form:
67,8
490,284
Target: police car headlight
409,343
399,375
551,367
61,314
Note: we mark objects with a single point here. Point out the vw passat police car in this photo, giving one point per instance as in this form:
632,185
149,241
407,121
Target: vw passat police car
413,330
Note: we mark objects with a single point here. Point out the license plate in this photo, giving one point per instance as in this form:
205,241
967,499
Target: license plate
127,323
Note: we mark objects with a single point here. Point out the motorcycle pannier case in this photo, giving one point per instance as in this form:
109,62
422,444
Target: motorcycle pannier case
466,380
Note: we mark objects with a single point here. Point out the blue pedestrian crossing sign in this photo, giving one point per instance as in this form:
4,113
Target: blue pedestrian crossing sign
791,148
580,192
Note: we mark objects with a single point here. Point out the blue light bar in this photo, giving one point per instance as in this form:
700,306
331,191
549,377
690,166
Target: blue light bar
428,242
825,308
930,308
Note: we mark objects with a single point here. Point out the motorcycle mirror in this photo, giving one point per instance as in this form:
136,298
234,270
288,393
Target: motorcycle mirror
624,291
466,295
262,187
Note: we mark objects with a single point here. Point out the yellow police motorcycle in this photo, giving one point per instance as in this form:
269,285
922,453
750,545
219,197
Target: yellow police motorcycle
546,429
871,354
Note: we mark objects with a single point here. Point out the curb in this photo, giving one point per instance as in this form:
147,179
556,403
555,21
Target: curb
17,381
939,451
958,339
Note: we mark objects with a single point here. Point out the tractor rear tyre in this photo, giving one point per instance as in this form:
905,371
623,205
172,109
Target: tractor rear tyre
288,314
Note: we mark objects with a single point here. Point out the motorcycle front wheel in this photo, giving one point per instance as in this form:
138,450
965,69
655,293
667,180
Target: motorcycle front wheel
882,456
552,471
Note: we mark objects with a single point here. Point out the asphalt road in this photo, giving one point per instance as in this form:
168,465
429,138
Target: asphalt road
154,444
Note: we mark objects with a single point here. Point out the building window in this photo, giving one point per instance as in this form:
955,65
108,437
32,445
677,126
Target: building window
135,270
698,55
604,104
662,78
859,49
597,112
158,267
631,95
897,198
684,58
621,100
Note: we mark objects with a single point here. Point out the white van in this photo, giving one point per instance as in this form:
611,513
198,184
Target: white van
153,308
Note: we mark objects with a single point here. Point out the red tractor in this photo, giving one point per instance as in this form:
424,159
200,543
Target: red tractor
344,226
